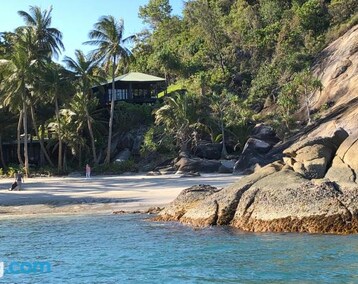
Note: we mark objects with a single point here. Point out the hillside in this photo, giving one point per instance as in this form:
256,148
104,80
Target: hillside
313,188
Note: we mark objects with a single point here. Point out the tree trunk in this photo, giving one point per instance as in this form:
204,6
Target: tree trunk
57,113
43,149
223,151
308,109
19,125
79,156
26,152
110,125
64,159
90,130
2,155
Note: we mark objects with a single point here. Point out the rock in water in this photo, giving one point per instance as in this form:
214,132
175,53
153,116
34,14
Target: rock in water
279,198
286,202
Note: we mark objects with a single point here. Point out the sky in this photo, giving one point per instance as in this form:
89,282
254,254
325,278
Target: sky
75,18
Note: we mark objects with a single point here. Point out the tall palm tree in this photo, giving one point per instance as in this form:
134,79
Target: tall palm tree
48,41
107,35
17,72
44,43
55,81
7,125
88,75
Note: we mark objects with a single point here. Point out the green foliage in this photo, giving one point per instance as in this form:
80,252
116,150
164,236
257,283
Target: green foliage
115,168
314,16
157,140
288,99
342,10
149,146
130,116
172,89
264,85
155,12
12,169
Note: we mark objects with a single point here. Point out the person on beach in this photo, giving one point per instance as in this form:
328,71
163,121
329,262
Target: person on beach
19,180
88,171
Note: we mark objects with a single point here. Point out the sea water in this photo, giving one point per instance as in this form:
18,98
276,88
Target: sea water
132,249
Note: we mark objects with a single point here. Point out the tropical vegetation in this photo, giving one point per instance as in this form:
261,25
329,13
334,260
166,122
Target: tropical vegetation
236,62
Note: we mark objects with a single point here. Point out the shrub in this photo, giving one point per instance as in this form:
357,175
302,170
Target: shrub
115,168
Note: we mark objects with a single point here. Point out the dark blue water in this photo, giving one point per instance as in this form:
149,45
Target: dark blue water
129,249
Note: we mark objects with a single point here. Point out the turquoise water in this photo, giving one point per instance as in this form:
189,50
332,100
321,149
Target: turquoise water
129,249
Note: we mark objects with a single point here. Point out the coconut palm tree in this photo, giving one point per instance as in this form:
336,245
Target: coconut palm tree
16,73
7,125
48,40
43,42
178,116
107,35
87,75
56,82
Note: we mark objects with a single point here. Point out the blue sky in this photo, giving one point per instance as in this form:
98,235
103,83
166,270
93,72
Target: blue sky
75,18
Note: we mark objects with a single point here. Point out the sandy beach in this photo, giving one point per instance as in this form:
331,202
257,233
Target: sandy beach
99,194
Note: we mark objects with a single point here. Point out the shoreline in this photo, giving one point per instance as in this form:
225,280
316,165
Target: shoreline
43,196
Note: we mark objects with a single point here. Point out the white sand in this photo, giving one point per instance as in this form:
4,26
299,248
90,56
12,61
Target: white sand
102,194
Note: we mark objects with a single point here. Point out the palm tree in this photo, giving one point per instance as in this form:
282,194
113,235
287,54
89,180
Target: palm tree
7,125
42,42
108,36
56,82
88,75
178,116
48,40
17,72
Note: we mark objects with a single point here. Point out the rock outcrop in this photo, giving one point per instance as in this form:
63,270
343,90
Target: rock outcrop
261,141
280,197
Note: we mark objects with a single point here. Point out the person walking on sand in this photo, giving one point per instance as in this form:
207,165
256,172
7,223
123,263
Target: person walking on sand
88,171
19,180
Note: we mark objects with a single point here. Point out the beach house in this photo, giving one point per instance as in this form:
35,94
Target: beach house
133,87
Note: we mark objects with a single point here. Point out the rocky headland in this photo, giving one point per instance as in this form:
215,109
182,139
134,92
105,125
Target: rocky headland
307,184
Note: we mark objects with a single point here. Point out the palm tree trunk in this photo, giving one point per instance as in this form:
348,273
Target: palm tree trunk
224,150
42,157
90,130
57,113
26,152
110,125
43,149
64,159
79,156
2,154
19,125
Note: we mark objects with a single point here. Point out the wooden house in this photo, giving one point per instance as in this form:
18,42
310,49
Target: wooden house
133,87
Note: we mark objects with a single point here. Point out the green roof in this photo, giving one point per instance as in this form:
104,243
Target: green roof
138,77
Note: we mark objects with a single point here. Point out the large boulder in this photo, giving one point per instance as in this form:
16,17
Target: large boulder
286,202
186,164
187,199
256,149
253,153
123,156
210,206
265,133
345,164
132,140
311,157
211,151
